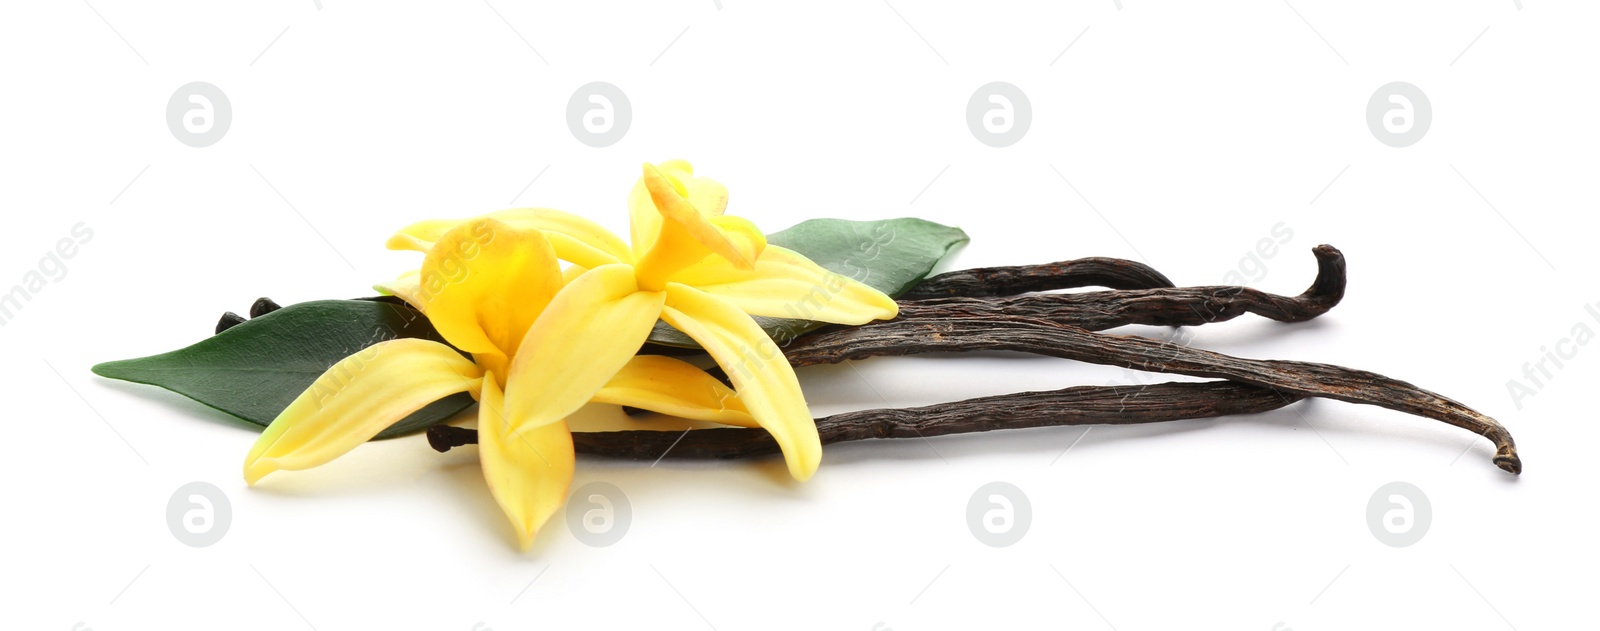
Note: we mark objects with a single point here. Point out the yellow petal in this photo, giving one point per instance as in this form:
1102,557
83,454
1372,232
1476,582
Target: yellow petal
737,241
644,221
421,235
743,235
358,397
485,282
575,239
760,373
528,468
588,333
572,273
786,284
407,287
675,387
705,194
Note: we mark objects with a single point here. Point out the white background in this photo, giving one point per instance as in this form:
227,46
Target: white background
1186,132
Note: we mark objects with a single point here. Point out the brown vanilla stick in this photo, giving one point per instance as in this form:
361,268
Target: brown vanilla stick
909,336
1080,405
1173,306
1017,279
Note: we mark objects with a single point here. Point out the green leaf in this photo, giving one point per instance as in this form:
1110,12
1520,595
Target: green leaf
890,255
256,369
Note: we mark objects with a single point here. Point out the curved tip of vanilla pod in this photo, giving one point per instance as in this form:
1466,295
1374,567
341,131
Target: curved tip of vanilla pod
1505,450
1328,288
1506,458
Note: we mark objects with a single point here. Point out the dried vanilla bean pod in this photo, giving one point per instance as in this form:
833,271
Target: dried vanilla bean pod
1081,405
1100,310
990,282
1178,306
904,336
1095,271
229,320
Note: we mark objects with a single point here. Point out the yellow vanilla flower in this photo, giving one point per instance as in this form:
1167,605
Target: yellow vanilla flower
701,271
486,286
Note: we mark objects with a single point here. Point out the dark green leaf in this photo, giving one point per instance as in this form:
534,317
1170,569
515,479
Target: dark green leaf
890,255
256,368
